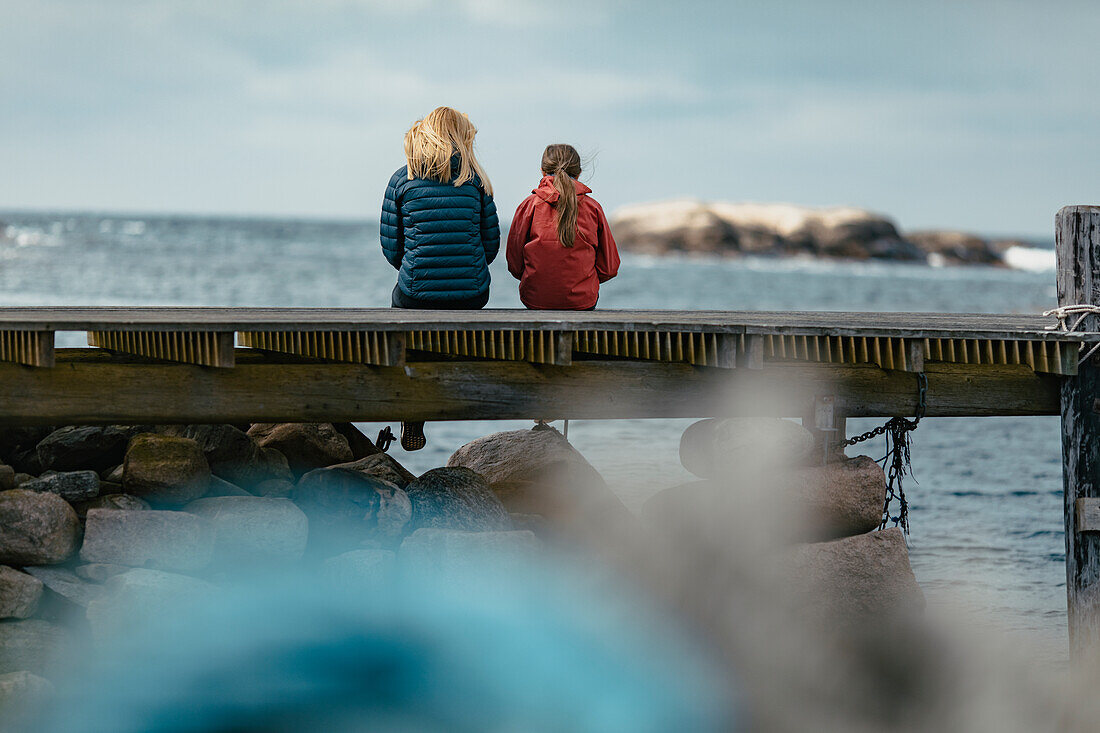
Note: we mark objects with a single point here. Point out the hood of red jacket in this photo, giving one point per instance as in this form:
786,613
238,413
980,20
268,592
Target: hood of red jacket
549,194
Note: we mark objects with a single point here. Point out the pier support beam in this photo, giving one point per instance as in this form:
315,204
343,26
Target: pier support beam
1077,237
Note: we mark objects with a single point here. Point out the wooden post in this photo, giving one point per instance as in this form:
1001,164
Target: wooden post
1077,245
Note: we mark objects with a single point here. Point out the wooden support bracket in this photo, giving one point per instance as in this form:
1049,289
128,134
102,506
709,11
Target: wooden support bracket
205,348
33,348
381,348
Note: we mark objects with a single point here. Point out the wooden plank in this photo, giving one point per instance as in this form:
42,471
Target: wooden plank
31,348
205,348
1087,510
896,325
91,386
1077,246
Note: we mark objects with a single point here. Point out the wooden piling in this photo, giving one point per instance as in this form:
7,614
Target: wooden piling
1077,237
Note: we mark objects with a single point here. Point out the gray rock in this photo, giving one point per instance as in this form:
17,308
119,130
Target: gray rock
306,445
360,570
100,572
139,595
165,469
24,689
346,507
111,501
66,584
84,447
539,472
840,499
19,593
381,466
717,448
159,539
234,455
36,529
449,550
855,579
69,485
456,498
252,529
221,487
276,487
32,645
21,478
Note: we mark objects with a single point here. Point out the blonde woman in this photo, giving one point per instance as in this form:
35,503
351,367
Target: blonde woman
439,224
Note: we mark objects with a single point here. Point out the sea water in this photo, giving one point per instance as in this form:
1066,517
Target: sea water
986,510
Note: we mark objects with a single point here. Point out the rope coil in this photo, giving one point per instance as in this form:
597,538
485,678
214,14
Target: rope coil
1082,311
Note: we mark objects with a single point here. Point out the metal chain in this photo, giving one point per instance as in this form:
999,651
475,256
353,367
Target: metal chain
897,431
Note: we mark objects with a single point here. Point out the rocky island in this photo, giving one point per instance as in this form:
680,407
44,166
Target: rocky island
733,229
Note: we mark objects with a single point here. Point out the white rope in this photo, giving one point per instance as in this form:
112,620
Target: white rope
1082,311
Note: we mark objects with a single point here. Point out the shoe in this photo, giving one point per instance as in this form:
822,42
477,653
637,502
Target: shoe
412,436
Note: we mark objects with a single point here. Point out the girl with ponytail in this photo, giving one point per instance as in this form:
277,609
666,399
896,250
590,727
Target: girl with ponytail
560,246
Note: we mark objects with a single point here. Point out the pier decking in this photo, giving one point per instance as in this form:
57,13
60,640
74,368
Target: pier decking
184,365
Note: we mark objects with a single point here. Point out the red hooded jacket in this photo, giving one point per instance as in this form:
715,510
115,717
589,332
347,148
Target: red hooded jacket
552,276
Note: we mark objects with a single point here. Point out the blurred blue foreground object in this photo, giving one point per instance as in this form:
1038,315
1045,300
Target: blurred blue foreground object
528,651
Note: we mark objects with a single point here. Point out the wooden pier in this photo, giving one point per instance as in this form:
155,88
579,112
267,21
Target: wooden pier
236,365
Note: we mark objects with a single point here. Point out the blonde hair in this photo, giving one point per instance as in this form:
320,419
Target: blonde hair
433,141
563,162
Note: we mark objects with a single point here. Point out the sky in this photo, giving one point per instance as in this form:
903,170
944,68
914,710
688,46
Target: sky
971,115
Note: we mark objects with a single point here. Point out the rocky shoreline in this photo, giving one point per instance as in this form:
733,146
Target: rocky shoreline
787,230
99,525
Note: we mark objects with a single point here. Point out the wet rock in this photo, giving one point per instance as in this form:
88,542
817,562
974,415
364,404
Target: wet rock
254,529
855,579
110,501
19,593
83,447
359,570
306,445
234,455
717,448
25,689
165,469
69,485
139,595
36,529
100,572
221,487
66,584
840,499
456,498
381,466
7,478
539,472
33,645
276,487
361,446
167,540
346,507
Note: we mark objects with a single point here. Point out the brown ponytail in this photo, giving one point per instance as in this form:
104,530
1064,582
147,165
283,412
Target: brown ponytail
564,164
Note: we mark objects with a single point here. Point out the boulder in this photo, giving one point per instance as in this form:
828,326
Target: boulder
113,474
361,446
277,487
346,507
234,455
140,595
32,645
855,579
456,498
956,248
7,478
24,689
717,448
19,593
539,472
66,584
20,440
165,469
221,487
84,447
110,501
359,570
767,229
840,499
21,478
252,529
158,539
381,466
36,529
306,445
100,572
71,486
448,550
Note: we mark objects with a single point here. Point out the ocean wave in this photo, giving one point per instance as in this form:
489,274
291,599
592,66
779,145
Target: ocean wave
1032,259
